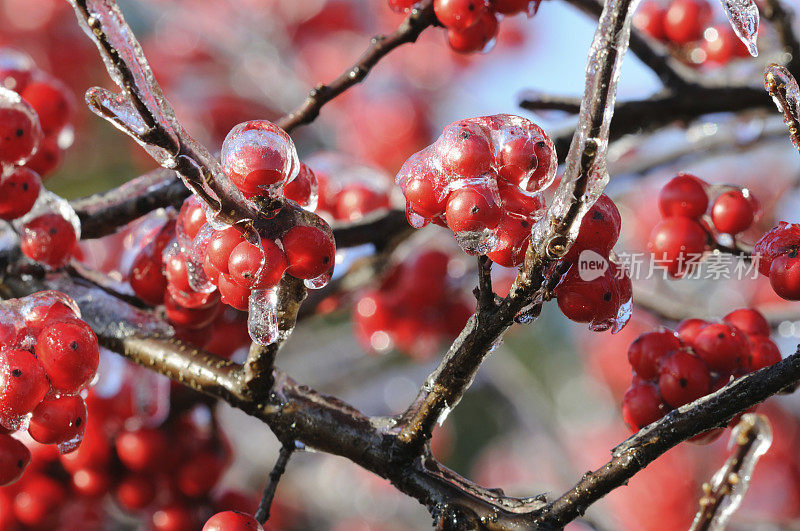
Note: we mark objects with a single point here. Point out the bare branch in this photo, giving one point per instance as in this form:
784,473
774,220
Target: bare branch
679,425
782,86
262,513
782,18
409,30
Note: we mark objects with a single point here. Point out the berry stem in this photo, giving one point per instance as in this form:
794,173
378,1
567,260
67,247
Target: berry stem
262,513
420,18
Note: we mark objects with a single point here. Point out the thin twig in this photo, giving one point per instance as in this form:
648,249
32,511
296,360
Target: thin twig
262,513
409,30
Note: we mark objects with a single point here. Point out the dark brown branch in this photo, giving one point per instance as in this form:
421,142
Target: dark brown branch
262,513
679,425
485,293
409,30
102,214
659,110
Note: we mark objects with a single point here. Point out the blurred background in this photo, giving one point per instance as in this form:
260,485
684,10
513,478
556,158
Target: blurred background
545,406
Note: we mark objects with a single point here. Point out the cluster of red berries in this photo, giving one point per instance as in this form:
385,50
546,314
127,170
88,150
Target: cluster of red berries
416,307
595,289
166,475
471,24
47,356
686,25
32,115
39,146
673,368
776,255
347,190
682,237
482,178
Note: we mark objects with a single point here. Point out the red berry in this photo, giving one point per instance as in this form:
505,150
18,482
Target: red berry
677,243
94,451
722,347
257,156
49,239
594,301
46,158
472,208
784,276
221,245
192,217
683,378
650,18
52,102
512,7
253,269
513,235
763,353
599,229
459,14
23,383
686,19
684,195
136,491
177,272
302,187
425,196
39,501
721,44
174,518
14,459
732,212
309,251
232,293
91,483
402,6
199,474
642,405
20,133
69,354
648,350
465,151
356,201
191,318
232,521
147,278
142,450
749,321
779,240
476,37
689,328
58,420
18,192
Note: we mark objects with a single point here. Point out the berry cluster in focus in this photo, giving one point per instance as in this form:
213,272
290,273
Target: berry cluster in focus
48,355
776,254
483,179
673,368
682,237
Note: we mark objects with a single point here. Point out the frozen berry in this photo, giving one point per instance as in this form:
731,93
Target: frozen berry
683,378
232,521
23,383
69,354
49,239
648,350
14,459
18,192
58,420
684,195
642,405
309,251
732,212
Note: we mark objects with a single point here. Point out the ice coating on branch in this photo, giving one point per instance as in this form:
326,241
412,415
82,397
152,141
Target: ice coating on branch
119,111
108,316
750,439
48,203
585,173
783,88
262,320
103,22
743,16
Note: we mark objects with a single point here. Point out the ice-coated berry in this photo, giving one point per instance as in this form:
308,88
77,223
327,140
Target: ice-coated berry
69,353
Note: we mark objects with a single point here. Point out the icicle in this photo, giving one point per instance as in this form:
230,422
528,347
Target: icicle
262,321
743,16
587,154
751,438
